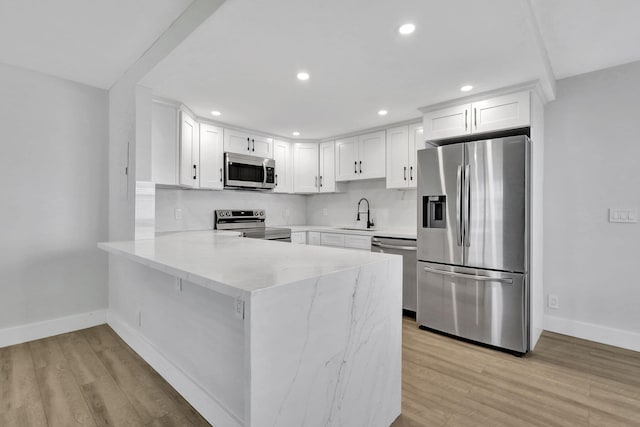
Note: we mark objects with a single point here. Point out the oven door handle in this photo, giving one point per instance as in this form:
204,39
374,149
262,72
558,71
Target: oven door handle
470,276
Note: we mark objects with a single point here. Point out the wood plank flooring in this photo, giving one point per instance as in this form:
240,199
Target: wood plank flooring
86,378
92,378
564,382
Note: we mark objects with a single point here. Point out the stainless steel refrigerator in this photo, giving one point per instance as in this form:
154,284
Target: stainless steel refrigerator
473,236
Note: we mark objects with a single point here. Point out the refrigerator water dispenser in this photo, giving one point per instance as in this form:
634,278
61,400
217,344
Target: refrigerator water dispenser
434,212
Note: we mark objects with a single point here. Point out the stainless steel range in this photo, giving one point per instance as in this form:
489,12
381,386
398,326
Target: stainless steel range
250,223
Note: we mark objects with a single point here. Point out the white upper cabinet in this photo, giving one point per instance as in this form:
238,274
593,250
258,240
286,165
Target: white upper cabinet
447,123
402,145
361,157
211,157
244,143
165,156
503,112
189,152
327,178
284,167
305,168
494,114
346,159
371,151
398,157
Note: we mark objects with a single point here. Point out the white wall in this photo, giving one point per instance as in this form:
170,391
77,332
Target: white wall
198,205
389,208
592,158
54,197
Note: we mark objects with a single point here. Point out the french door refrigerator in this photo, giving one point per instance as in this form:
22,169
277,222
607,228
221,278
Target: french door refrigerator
473,235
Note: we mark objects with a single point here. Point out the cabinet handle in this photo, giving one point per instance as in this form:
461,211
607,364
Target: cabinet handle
360,166
276,180
194,171
465,119
405,173
320,180
475,117
220,174
355,167
254,145
248,143
411,173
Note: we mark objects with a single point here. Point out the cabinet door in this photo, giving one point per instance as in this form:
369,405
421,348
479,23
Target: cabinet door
305,167
211,157
398,148
237,142
299,237
503,112
346,161
447,123
262,146
327,180
165,144
416,142
284,168
313,238
188,151
371,153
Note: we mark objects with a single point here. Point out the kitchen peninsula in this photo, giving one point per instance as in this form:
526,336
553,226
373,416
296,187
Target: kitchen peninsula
263,333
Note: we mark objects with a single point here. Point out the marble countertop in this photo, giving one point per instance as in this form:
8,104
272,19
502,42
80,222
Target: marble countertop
225,263
400,233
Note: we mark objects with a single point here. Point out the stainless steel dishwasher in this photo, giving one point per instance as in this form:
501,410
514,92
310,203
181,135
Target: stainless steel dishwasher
406,248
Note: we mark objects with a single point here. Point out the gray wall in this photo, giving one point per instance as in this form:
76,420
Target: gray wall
54,197
592,163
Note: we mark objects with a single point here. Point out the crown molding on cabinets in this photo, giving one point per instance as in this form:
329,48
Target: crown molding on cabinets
548,80
533,86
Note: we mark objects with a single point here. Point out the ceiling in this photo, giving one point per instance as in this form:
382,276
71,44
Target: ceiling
91,42
243,60
588,35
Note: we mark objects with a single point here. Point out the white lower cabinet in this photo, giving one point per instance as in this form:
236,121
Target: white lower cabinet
357,242
313,238
332,239
299,237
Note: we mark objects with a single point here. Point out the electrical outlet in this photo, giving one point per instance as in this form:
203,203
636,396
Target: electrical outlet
325,212
553,301
623,215
178,213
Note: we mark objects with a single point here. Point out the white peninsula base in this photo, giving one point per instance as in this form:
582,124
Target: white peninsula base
315,340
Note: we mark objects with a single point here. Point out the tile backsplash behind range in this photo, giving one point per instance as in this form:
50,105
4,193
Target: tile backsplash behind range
389,208
197,206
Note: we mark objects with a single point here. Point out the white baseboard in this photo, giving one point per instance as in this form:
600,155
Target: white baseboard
592,332
207,405
48,328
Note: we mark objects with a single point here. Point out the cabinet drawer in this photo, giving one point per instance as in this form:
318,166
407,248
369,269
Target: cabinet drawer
357,242
299,237
313,238
332,239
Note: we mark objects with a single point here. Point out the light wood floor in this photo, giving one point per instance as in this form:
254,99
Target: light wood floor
564,382
86,378
92,377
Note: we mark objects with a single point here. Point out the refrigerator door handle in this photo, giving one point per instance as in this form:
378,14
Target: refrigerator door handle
467,205
458,207
470,276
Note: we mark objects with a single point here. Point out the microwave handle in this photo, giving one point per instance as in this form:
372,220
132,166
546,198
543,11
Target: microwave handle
264,175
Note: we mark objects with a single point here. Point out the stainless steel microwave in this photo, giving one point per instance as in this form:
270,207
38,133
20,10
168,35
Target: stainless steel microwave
242,171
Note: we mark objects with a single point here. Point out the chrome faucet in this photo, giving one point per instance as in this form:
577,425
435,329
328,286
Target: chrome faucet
369,222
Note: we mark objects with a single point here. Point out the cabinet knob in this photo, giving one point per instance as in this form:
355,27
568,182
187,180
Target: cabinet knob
248,144
194,171
360,166
405,173
220,174
411,173
355,167
254,145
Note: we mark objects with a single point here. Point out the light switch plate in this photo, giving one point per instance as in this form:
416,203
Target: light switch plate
623,215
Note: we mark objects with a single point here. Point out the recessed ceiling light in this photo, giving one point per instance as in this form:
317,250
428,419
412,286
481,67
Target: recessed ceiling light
466,88
215,113
406,29
382,112
296,133
303,76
